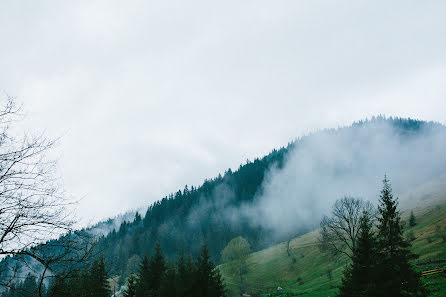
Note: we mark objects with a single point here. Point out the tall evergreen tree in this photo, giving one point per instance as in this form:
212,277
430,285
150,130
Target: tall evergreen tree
169,284
143,288
131,284
97,283
186,273
208,281
360,277
396,276
157,269
76,284
59,288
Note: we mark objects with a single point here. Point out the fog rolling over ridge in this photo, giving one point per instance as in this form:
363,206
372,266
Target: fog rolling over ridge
330,164
285,192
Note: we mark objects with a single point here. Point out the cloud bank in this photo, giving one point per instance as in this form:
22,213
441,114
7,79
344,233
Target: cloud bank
326,166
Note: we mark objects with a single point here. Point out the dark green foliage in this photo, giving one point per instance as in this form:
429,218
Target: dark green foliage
143,288
131,285
60,287
381,264
90,282
97,282
208,279
186,275
360,277
412,220
182,279
169,286
74,285
174,223
157,269
395,275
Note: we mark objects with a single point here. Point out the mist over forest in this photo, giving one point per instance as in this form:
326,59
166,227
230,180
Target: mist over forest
222,149
276,197
288,191
350,161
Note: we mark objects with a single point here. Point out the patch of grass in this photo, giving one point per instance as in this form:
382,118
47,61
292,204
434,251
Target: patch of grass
436,284
307,276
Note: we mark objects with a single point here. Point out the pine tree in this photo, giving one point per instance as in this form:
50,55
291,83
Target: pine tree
396,276
76,283
169,284
85,283
360,277
157,269
412,220
59,288
186,273
143,288
98,285
208,281
131,284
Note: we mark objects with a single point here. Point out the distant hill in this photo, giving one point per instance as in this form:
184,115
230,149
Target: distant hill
282,194
250,200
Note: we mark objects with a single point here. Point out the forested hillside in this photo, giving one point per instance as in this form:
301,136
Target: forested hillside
184,220
278,196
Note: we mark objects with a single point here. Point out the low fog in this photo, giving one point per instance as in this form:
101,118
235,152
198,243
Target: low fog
328,165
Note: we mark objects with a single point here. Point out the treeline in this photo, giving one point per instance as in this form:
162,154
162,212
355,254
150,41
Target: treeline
185,278
91,281
29,287
155,277
181,220
381,261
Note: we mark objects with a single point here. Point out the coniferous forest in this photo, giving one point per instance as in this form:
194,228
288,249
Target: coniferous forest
173,249
179,222
154,277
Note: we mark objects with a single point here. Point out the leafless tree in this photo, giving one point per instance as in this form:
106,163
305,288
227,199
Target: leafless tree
340,230
33,207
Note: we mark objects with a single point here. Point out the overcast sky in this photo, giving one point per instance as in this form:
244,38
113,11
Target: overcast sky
151,95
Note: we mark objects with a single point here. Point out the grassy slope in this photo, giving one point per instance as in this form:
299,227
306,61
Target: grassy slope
307,274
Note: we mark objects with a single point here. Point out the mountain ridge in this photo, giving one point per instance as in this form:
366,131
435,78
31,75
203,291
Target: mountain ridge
279,195
183,220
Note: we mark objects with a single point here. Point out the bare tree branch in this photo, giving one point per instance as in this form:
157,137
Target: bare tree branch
339,232
33,208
